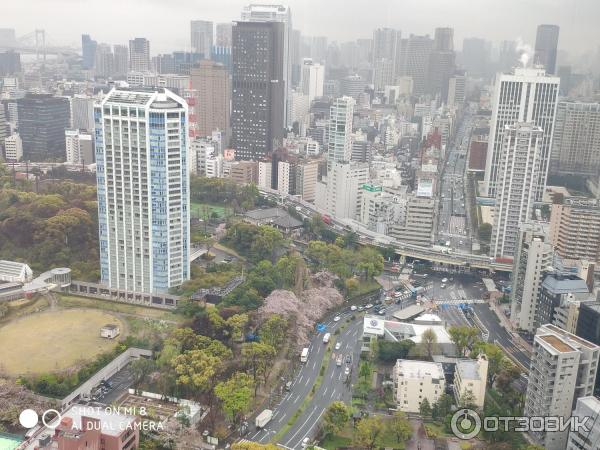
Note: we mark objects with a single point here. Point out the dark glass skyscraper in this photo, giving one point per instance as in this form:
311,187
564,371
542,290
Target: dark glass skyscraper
88,51
43,119
258,96
546,44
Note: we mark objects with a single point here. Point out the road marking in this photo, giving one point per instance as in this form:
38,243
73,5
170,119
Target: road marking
313,425
297,398
302,426
307,381
300,379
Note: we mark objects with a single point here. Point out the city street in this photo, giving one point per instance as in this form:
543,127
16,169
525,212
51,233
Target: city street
334,385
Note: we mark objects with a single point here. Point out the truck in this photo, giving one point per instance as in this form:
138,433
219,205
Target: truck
326,338
263,418
304,355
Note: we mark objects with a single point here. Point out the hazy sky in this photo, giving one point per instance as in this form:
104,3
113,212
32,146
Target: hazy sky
166,22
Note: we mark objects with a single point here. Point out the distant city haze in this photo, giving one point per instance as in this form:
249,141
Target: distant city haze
166,22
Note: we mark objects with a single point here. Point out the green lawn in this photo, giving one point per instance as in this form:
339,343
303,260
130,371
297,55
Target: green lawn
205,211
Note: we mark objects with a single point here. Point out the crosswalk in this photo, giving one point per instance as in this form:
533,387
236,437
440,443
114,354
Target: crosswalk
444,301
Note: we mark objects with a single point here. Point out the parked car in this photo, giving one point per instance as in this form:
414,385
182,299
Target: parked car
338,345
336,318
353,308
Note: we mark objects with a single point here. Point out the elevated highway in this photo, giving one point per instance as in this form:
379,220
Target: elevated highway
368,237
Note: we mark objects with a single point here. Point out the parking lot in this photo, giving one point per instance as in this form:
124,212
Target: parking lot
115,387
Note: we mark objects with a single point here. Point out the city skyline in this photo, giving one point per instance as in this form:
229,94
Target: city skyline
578,34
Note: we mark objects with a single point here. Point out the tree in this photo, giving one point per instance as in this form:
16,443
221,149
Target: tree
335,418
388,252
368,432
508,373
390,351
365,370
429,342
463,338
370,262
485,232
273,331
442,407
399,426
140,369
197,370
235,395
248,445
258,358
495,357
236,325
425,408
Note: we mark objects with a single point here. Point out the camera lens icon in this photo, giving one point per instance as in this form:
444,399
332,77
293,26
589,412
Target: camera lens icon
465,424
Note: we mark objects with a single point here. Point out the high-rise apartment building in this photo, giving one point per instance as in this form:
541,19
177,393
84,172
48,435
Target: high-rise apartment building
457,86
533,257
282,14
575,228
139,55
576,141
586,409
507,56
223,34
313,77
546,45
78,147
527,95
340,130
563,368
418,223
88,51
211,81
258,91
104,64
121,61
519,166
13,148
413,60
201,37
559,298
441,63
475,57
386,43
352,86
141,140
10,63
340,194
43,119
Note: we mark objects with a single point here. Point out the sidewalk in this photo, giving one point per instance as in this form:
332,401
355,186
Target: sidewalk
506,323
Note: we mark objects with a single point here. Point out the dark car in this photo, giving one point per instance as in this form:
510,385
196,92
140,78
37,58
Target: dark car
348,359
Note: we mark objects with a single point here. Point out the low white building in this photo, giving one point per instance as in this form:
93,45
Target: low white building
79,147
13,148
415,381
110,331
470,379
15,272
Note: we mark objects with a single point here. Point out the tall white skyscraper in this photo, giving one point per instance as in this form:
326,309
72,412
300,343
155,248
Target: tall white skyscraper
313,78
78,147
563,368
201,37
139,55
143,189
340,130
276,13
519,166
527,95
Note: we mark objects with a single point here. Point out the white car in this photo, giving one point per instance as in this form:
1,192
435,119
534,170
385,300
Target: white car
353,308
338,345
368,306
347,370
336,318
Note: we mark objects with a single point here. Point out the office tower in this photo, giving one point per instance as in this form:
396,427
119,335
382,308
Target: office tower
533,257
141,154
340,130
527,95
383,74
352,86
475,57
519,166
4,126
282,14
417,224
588,323
575,228
385,44
201,37
88,51
78,147
318,49
120,61
223,31
457,86
563,369
43,119
300,108
507,56
576,140
313,77
10,63
82,112
258,91
413,60
559,298
139,55
340,194
586,410
546,44
13,148
565,74
296,59
211,81
441,63
104,66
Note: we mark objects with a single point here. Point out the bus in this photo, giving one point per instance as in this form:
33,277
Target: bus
304,355
326,338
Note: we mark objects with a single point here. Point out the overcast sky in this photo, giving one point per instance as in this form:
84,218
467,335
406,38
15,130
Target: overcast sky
166,22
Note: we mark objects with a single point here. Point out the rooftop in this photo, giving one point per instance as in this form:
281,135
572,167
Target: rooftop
570,336
409,313
565,284
557,343
418,369
468,369
113,424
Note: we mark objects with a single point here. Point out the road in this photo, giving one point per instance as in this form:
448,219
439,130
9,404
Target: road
452,221
334,385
